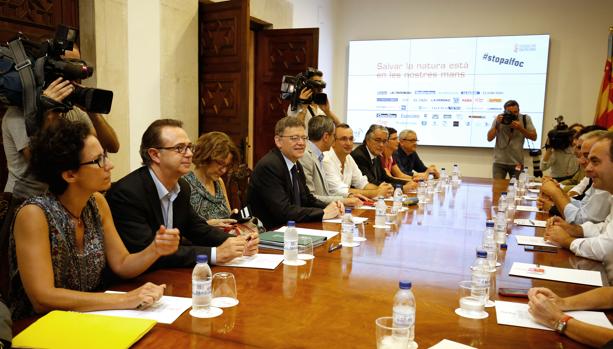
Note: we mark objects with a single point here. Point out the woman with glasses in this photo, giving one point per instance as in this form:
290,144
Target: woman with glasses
387,160
62,240
214,155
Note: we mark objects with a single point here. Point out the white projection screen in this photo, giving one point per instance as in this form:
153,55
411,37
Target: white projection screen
449,90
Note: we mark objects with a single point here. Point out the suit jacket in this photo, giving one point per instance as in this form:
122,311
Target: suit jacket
315,178
270,193
374,172
136,210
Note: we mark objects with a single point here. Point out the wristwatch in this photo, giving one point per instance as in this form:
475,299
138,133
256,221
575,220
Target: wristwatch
562,323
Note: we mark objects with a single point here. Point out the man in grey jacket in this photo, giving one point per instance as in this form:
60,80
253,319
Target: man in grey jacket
321,138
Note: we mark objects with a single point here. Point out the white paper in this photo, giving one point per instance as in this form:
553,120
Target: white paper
447,344
356,220
536,191
575,276
527,208
164,311
531,222
258,261
535,184
315,232
530,198
516,314
533,240
364,207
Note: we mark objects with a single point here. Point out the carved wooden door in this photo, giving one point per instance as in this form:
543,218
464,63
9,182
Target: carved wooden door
223,30
277,52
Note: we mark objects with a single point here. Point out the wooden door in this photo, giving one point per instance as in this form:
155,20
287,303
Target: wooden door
223,30
277,52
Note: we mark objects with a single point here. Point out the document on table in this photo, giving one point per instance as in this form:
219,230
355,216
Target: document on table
447,344
356,220
574,276
258,261
536,191
530,198
527,208
533,240
516,314
315,232
164,311
535,184
365,207
531,223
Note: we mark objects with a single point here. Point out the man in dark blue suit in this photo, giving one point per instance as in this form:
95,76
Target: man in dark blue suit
277,190
155,197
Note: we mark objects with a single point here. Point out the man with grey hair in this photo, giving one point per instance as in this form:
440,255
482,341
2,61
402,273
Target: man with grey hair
407,159
277,191
594,204
368,158
321,138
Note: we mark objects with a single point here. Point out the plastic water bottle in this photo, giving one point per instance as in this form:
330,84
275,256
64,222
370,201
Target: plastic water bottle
500,229
502,202
444,178
511,201
455,173
380,209
489,244
290,242
481,271
404,308
430,187
347,228
421,192
397,198
201,284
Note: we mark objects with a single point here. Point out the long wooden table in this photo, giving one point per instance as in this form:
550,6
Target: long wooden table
333,301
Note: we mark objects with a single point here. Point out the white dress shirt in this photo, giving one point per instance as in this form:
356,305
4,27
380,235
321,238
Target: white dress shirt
594,207
341,178
597,242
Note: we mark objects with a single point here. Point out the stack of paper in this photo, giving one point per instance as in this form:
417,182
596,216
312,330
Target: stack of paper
165,311
531,223
533,241
585,277
64,329
274,240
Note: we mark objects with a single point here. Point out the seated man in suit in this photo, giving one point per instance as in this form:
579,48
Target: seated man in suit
321,137
368,158
343,176
407,159
155,197
277,191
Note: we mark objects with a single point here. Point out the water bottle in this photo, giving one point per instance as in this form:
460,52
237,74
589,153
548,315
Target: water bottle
397,198
421,192
404,308
380,209
347,228
444,178
489,244
500,229
455,173
511,201
201,284
481,271
430,188
290,242
522,182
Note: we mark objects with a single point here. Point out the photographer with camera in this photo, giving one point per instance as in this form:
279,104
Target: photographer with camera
308,100
510,130
559,157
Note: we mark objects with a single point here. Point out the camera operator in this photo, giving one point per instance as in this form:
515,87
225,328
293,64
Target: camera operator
510,130
307,105
559,157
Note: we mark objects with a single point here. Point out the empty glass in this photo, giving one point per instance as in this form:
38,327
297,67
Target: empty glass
472,298
305,248
359,232
390,337
224,290
390,215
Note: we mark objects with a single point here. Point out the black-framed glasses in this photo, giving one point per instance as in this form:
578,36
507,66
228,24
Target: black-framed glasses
296,139
180,148
100,161
411,140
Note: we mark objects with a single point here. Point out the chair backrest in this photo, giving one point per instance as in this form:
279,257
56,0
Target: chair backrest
236,185
5,230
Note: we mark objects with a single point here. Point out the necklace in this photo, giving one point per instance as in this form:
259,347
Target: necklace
76,220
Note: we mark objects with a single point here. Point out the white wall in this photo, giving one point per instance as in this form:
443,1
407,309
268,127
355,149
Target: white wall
578,29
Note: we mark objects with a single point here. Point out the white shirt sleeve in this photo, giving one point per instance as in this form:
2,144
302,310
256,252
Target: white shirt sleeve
596,247
580,188
595,207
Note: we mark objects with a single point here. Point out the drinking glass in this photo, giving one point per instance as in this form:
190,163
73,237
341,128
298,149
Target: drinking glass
390,337
359,232
472,298
305,248
224,290
390,216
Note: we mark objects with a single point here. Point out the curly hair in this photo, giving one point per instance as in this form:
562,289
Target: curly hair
56,149
214,146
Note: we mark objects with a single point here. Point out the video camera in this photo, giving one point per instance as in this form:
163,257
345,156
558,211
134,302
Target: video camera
27,67
560,137
291,86
508,118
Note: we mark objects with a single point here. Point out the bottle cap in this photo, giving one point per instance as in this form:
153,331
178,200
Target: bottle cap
202,258
347,209
481,254
489,223
398,186
291,223
503,193
503,246
442,169
405,284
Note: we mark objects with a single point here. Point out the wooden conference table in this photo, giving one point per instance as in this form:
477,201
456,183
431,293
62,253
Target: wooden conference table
333,301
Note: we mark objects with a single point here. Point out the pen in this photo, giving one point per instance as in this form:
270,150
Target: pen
334,247
532,222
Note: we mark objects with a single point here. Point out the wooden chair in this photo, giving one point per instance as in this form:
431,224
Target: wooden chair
236,184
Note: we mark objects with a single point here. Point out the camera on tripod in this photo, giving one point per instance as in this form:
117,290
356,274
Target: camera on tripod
560,137
292,86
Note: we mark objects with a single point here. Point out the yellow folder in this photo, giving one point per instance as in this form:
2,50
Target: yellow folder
66,329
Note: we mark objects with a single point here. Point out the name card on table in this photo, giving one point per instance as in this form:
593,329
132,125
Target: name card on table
573,276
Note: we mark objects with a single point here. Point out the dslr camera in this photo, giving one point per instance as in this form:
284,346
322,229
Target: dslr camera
560,137
508,117
291,86
45,62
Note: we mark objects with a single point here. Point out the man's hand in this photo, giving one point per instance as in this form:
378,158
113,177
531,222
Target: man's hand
385,190
551,188
516,125
408,186
58,89
166,241
572,229
221,223
352,202
499,119
359,196
231,248
305,94
252,244
333,210
544,203
558,236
